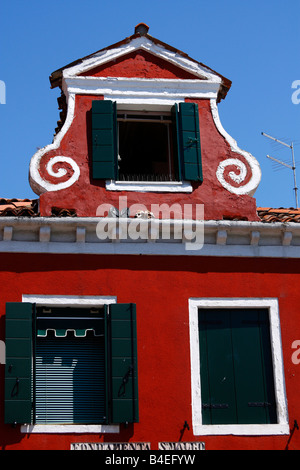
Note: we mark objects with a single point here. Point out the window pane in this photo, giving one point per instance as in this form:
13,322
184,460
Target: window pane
145,151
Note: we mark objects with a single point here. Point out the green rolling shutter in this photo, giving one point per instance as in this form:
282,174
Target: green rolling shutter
18,369
123,349
104,137
237,384
70,380
189,141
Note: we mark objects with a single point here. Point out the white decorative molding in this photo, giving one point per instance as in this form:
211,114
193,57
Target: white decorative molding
221,238
145,91
145,44
145,187
248,188
70,428
287,238
39,184
69,300
254,238
80,234
45,233
282,426
7,234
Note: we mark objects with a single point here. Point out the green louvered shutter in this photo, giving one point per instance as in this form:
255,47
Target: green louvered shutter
18,369
189,142
123,348
237,385
70,380
104,137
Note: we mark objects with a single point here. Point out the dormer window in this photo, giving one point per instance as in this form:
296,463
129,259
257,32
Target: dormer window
146,146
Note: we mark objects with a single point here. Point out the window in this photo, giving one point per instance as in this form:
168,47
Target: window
141,158
146,146
237,382
71,365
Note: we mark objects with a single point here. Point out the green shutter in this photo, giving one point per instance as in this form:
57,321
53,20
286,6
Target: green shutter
189,141
251,349
18,369
237,384
216,366
123,349
104,137
176,141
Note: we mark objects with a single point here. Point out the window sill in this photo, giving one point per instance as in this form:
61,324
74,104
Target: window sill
144,186
70,428
242,430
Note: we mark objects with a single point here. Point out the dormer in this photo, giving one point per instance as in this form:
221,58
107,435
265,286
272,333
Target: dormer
140,119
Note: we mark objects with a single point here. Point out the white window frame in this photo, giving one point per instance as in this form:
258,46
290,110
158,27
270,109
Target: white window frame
80,302
282,425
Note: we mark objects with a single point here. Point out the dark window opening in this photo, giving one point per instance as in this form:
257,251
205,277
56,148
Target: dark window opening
145,148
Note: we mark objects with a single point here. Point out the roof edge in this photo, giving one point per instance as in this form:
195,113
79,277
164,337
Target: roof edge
140,30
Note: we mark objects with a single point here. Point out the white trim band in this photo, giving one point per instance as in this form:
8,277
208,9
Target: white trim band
221,238
69,428
141,90
145,187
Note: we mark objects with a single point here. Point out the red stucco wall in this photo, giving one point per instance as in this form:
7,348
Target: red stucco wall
160,287
139,64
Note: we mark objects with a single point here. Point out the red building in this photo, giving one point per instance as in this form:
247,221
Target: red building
145,299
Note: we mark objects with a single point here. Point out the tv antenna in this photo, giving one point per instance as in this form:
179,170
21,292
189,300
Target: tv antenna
291,167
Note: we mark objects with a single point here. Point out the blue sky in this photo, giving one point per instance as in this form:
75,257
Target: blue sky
255,44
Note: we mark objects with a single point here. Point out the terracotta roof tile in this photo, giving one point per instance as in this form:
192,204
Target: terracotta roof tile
269,214
62,212
19,207
30,208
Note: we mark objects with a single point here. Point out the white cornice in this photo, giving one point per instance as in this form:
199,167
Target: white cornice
78,236
141,90
145,44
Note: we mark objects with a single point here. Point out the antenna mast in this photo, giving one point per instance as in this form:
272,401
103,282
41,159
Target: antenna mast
292,167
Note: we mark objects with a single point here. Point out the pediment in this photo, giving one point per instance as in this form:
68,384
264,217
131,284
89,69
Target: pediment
142,49
140,64
140,56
